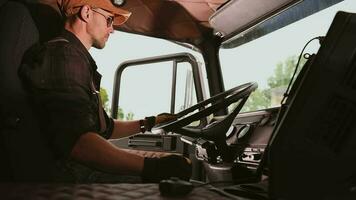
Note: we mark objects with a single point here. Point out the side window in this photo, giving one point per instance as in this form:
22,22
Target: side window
185,91
124,46
150,86
145,90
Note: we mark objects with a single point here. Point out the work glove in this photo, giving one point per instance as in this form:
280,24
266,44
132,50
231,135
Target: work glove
161,118
165,117
157,169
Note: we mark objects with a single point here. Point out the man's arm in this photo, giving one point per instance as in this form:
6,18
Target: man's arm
97,152
93,150
127,128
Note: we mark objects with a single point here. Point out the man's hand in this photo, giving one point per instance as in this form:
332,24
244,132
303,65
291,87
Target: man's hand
161,118
165,117
157,169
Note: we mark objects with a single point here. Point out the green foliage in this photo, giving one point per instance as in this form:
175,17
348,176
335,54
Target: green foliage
283,72
129,116
265,98
121,115
104,99
258,100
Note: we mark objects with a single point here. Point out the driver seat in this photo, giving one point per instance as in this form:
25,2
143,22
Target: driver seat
25,155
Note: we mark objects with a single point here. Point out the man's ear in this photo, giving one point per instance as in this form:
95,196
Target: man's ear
84,13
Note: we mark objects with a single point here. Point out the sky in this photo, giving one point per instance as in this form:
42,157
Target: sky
253,61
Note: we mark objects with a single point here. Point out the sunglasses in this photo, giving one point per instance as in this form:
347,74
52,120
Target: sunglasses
109,19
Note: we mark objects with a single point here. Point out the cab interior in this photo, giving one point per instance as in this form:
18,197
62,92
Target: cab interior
238,155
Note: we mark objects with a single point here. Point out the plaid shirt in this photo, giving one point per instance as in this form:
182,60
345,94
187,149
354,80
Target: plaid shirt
59,77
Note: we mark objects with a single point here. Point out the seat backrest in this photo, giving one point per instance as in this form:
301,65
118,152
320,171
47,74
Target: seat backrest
312,154
25,153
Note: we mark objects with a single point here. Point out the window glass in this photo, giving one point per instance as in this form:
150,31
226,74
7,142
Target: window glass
185,92
141,96
271,59
123,46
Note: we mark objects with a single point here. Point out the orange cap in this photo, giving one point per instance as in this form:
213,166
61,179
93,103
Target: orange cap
71,7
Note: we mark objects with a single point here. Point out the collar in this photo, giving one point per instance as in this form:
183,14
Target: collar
75,41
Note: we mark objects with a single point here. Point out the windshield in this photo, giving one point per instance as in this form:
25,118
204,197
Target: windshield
270,60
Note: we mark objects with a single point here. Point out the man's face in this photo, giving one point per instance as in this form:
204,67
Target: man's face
101,27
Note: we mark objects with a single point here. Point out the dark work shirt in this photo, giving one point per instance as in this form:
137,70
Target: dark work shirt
59,77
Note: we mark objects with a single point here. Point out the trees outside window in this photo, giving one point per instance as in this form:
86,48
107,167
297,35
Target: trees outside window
277,85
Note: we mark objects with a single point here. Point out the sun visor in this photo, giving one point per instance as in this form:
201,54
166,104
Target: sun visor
239,15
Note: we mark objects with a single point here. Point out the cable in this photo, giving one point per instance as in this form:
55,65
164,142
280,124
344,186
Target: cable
285,95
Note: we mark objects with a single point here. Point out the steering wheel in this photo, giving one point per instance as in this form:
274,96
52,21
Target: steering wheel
220,101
